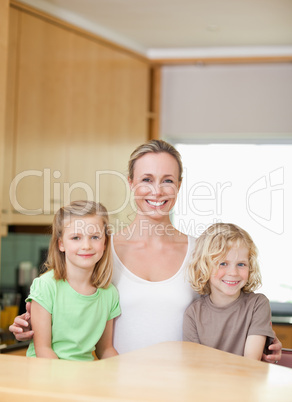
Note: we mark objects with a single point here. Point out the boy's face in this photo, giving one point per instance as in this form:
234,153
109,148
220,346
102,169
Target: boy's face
231,276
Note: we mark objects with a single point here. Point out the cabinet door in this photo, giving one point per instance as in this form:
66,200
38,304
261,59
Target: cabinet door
284,333
90,81
41,132
79,109
109,94
8,155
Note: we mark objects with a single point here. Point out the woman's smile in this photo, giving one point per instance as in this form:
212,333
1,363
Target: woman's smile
156,203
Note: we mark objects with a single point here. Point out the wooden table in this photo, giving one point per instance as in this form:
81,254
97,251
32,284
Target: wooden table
171,371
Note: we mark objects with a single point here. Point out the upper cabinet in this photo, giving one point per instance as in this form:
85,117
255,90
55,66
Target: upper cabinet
4,12
76,109
40,113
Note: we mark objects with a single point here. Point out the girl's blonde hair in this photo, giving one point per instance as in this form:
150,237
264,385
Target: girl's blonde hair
212,247
154,146
102,272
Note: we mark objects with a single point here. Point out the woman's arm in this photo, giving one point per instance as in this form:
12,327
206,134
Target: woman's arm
41,321
276,349
254,346
21,328
104,347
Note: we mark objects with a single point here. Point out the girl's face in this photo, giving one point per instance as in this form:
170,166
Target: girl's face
83,241
155,184
230,277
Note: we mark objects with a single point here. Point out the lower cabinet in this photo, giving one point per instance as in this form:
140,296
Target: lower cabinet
284,333
17,352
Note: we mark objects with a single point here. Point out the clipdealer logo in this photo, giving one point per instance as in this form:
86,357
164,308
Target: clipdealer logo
197,198
54,191
264,197
265,201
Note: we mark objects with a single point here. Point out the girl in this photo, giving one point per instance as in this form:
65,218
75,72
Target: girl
229,316
73,304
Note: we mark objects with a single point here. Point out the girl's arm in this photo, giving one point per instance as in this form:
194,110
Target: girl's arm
41,322
104,347
254,346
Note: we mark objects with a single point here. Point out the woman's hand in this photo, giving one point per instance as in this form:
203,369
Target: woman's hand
21,327
276,348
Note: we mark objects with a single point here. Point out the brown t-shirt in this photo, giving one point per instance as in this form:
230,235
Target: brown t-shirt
226,328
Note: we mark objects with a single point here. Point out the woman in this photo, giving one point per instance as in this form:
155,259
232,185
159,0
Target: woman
150,257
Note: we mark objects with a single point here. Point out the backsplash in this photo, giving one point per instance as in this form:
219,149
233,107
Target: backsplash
18,247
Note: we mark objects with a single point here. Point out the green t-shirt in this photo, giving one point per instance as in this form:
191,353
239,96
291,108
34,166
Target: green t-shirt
78,321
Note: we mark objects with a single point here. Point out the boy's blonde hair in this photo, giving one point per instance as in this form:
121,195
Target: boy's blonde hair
212,247
102,272
154,146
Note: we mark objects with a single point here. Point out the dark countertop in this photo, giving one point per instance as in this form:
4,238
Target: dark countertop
281,313
284,309
281,320
9,343
4,348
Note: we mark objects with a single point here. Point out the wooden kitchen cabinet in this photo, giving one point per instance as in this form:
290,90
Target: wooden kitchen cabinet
41,112
4,35
76,106
284,333
17,352
8,159
109,104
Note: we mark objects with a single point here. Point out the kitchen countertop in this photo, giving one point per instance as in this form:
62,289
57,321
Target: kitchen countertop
281,313
282,320
170,371
6,348
9,343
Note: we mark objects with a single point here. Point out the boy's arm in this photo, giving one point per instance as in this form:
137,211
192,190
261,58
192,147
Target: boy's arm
254,346
41,322
104,347
262,319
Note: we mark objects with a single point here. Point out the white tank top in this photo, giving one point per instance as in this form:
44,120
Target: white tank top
152,312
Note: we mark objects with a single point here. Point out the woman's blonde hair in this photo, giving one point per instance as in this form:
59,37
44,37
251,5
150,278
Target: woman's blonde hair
212,247
154,146
102,272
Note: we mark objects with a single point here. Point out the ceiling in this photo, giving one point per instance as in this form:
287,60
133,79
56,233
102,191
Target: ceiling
174,27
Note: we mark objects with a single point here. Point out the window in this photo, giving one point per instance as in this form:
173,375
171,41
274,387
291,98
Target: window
249,185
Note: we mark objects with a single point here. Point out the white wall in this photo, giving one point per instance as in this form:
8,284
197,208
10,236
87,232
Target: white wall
243,101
